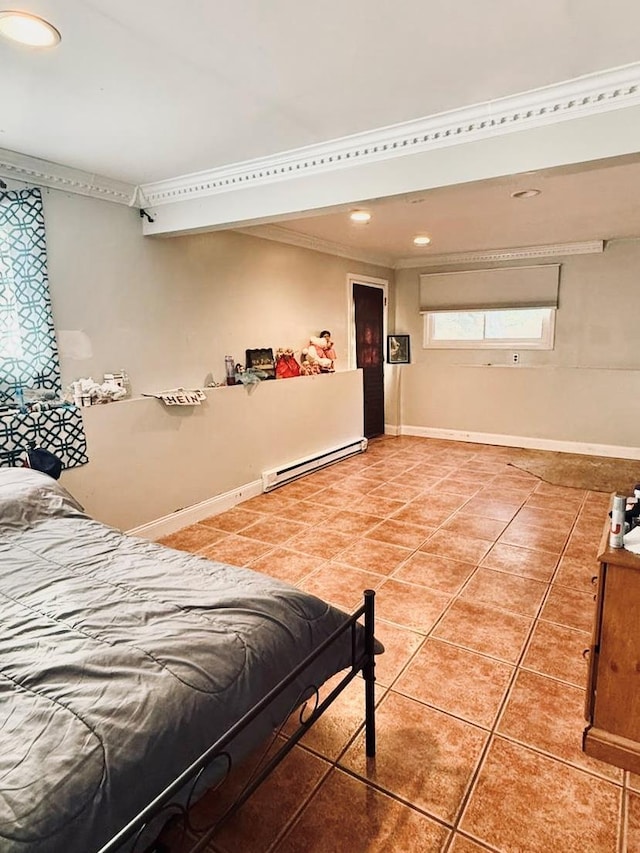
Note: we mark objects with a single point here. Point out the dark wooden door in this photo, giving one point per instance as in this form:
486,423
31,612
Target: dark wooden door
368,311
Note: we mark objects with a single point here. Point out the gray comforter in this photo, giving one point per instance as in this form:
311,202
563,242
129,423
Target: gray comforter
121,661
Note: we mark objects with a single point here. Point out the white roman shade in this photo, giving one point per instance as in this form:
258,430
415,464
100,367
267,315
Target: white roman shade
504,287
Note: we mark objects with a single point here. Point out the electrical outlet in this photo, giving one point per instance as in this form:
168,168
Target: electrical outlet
515,357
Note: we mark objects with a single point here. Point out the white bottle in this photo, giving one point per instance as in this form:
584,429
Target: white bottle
616,536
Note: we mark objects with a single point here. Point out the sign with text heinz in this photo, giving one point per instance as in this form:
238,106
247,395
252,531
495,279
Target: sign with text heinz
180,397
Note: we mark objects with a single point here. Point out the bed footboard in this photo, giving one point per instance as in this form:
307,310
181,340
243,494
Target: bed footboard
134,837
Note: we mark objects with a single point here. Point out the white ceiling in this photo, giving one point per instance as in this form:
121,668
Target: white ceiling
152,89
596,201
148,90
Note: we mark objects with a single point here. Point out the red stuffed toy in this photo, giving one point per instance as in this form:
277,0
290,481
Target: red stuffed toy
286,364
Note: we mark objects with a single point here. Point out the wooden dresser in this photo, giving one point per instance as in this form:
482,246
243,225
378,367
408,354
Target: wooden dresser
613,690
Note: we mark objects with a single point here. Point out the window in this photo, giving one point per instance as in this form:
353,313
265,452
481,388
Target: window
490,308
529,328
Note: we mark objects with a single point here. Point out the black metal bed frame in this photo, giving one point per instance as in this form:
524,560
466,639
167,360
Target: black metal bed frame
163,804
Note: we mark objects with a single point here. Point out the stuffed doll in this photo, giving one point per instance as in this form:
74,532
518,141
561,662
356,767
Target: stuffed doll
329,351
308,369
315,354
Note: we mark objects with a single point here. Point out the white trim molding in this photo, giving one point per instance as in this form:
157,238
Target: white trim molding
582,96
306,241
557,250
528,442
32,170
280,234
190,515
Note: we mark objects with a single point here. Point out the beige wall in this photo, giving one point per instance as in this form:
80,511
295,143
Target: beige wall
148,461
587,389
168,311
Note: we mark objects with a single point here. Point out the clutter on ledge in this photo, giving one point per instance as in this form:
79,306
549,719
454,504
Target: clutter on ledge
260,364
87,392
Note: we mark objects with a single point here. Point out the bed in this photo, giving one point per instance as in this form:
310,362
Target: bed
127,670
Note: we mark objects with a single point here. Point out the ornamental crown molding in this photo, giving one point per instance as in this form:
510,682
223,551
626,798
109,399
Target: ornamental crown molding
280,234
583,96
33,170
306,241
557,250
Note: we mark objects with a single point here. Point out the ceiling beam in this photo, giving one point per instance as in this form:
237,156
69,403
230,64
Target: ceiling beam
589,118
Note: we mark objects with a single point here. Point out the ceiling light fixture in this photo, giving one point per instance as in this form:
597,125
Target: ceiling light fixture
360,216
422,240
526,193
28,29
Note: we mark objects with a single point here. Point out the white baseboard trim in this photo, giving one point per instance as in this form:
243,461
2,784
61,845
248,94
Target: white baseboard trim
530,443
191,514
221,503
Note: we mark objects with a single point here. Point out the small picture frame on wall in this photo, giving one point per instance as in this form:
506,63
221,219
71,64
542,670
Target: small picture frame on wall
398,349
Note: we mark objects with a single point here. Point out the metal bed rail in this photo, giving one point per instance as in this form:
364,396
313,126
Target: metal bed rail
364,662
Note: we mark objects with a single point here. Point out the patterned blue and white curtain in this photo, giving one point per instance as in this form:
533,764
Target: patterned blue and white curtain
28,349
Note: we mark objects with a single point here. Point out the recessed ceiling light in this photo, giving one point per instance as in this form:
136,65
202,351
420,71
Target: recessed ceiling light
28,29
360,216
422,240
526,193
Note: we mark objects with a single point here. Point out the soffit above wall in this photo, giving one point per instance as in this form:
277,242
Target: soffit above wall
591,95
579,121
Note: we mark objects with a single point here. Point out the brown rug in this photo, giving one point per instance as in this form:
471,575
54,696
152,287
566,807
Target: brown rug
596,473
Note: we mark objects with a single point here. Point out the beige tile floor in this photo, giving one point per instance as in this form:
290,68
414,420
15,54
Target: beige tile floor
484,603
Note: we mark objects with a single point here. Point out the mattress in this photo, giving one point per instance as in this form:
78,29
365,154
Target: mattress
121,661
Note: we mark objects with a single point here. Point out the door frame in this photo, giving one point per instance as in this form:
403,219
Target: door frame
368,281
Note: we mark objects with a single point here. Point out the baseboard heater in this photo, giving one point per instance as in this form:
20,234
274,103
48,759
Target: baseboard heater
279,476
